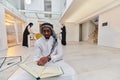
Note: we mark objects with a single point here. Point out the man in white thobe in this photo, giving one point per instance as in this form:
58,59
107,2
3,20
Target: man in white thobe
48,51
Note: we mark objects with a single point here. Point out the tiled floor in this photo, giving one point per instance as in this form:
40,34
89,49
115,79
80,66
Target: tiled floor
90,61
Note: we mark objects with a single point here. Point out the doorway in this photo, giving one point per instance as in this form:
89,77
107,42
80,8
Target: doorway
14,28
80,32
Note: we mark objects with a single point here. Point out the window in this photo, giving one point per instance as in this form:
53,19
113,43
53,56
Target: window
47,8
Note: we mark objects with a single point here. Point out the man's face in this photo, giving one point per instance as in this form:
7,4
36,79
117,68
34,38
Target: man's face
47,32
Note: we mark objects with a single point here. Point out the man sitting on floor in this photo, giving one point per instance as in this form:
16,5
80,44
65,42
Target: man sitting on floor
48,51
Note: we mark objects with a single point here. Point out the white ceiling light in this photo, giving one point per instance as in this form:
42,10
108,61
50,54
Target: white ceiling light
28,1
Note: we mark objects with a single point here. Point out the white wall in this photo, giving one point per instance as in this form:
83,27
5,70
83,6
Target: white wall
87,28
3,37
72,32
58,7
110,35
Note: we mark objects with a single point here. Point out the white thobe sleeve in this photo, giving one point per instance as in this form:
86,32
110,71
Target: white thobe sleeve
37,53
57,53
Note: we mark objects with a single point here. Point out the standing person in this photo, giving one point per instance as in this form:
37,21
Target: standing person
63,41
26,32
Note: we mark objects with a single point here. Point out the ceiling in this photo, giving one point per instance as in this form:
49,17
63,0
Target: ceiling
33,11
82,10
79,11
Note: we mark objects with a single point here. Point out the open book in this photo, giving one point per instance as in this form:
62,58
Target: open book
41,71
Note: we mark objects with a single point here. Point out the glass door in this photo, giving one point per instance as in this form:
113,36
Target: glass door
19,31
11,34
14,28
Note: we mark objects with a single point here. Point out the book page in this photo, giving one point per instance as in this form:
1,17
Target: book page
51,71
32,68
41,71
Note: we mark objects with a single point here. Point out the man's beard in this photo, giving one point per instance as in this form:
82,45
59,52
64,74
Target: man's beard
47,37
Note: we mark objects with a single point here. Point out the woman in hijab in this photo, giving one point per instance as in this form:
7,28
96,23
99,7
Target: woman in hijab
26,32
63,41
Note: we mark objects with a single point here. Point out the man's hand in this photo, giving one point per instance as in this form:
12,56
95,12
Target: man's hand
42,61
